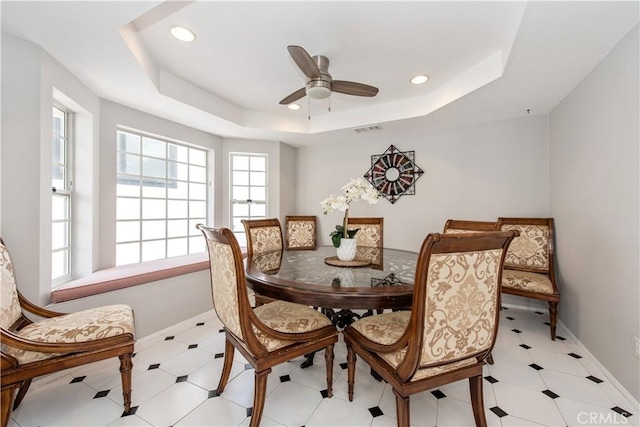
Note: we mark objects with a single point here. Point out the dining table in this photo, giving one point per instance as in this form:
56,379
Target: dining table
378,279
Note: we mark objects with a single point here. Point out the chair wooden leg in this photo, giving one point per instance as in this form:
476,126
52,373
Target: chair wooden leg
24,387
229,349
259,395
553,318
351,371
328,357
6,403
125,373
402,410
477,401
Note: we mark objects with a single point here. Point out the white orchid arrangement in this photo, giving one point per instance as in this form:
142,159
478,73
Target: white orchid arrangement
354,190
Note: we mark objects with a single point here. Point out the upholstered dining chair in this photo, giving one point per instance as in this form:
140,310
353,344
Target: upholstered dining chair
450,329
467,226
301,232
529,267
371,231
267,335
263,235
57,342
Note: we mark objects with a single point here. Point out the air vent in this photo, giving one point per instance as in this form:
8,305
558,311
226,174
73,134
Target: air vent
373,128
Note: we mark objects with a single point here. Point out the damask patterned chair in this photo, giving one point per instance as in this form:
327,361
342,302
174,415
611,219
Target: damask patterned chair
59,341
529,269
267,335
371,231
301,232
450,329
263,235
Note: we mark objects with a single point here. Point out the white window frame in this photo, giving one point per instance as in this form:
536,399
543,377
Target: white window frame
66,191
194,239
236,225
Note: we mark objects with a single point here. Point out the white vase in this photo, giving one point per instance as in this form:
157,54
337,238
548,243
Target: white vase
347,249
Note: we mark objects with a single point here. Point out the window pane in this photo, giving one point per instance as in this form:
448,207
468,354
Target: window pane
57,177
154,230
193,231
258,178
177,228
154,148
58,150
240,178
177,209
258,209
128,186
197,174
58,122
59,207
128,142
154,191
242,239
153,209
127,208
240,162
240,209
177,247
153,250
59,264
237,224
258,163
197,157
179,153
127,253
240,193
127,231
196,245
155,168
178,171
59,234
258,193
128,163
198,191
178,190
197,209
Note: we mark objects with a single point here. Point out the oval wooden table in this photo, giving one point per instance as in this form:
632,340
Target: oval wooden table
304,277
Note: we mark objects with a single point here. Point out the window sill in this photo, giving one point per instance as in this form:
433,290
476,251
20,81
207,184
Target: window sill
126,276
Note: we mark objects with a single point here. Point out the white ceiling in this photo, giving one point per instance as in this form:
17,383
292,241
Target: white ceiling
486,60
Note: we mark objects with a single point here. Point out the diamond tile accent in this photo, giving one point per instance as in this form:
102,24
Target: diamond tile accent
132,411
538,312
192,346
595,379
550,394
200,324
249,411
536,367
154,366
247,366
221,330
169,338
621,411
558,337
212,393
491,379
498,411
576,356
285,378
218,355
510,318
78,379
526,347
324,393
438,394
517,331
376,411
100,394
182,378
546,323
343,365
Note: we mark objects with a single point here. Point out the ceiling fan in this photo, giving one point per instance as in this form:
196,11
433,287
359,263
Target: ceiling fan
319,84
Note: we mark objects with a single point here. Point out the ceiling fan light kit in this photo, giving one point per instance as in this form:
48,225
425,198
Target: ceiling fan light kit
318,83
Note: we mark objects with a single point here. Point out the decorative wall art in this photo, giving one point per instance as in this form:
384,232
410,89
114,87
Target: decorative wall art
394,173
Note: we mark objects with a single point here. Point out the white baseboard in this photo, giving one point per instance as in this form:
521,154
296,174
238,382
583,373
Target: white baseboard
584,352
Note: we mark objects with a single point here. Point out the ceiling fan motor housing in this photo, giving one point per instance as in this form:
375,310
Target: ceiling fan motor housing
320,88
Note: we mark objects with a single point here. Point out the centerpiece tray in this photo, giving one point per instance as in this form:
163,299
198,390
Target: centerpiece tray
334,261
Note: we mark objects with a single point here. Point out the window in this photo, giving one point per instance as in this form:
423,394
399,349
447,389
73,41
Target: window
61,184
248,191
161,196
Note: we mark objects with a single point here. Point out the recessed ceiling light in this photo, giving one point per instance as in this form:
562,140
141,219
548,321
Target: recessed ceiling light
418,80
293,107
182,33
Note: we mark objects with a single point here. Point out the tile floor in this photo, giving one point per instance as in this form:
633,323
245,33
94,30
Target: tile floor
535,381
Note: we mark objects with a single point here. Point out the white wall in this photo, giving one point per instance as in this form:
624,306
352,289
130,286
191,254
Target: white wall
479,172
594,197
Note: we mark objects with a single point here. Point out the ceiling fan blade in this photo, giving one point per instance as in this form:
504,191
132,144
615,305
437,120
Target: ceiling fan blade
353,88
305,62
293,97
